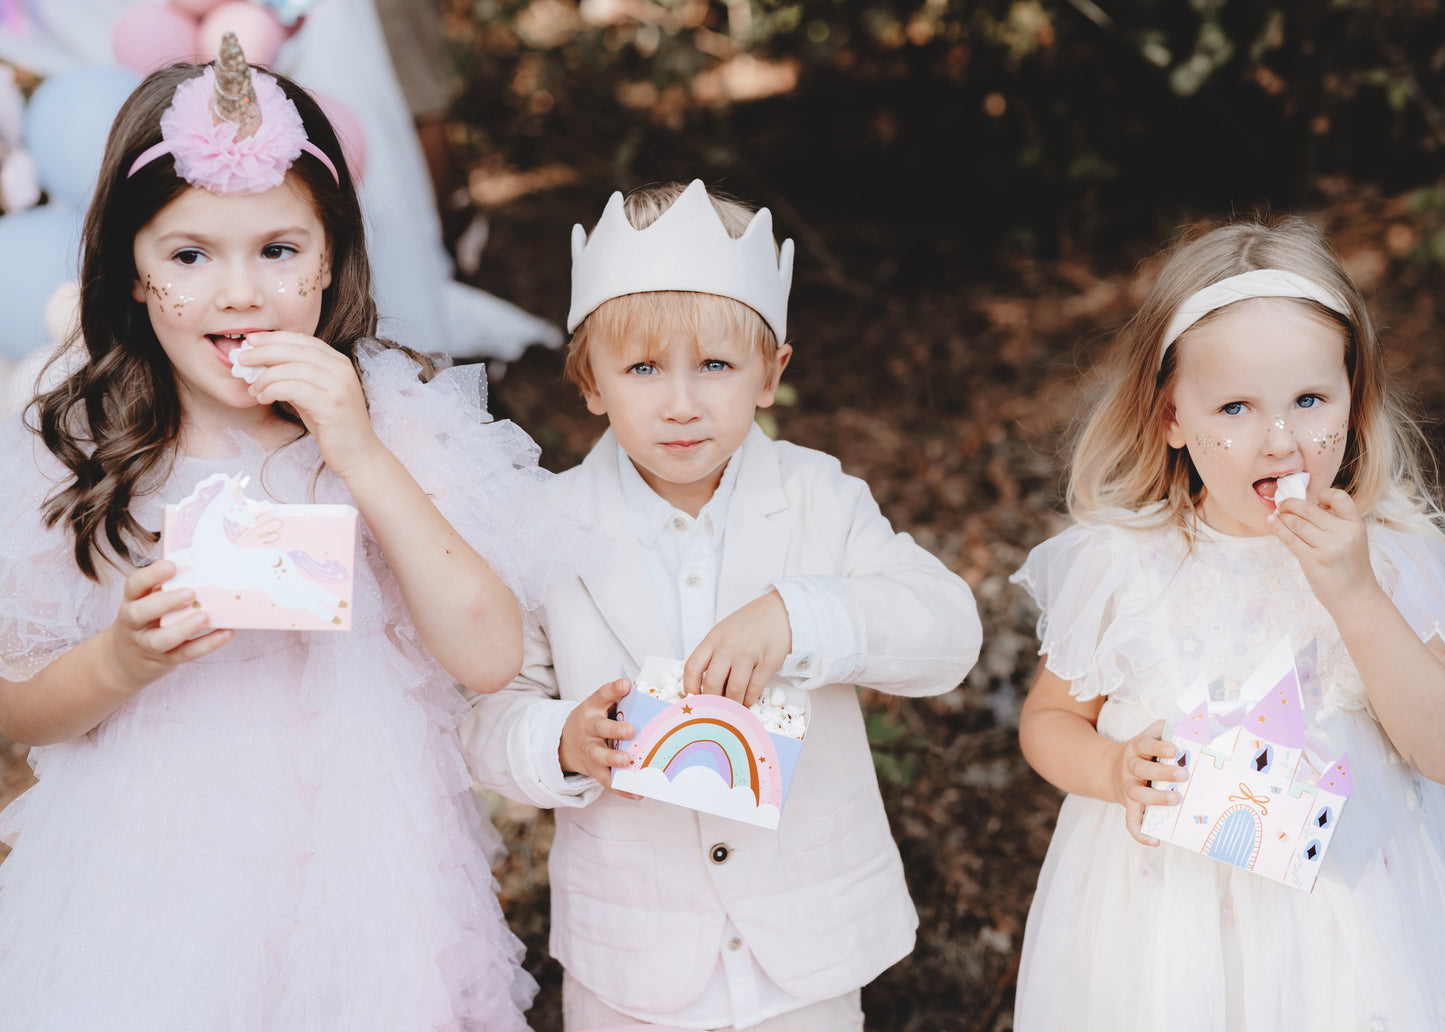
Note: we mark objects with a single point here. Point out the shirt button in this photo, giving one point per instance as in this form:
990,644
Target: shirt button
735,943
804,664
678,523
719,854
693,580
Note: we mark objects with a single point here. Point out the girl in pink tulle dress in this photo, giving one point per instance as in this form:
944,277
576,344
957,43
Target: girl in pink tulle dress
250,830
1251,361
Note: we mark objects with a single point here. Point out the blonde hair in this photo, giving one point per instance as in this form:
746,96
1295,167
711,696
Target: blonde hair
654,314
1123,461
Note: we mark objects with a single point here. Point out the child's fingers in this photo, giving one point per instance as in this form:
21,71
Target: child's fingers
757,683
695,666
1134,821
1339,503
613,692
740,680
615,731
164,641
147,609
202,646
145,579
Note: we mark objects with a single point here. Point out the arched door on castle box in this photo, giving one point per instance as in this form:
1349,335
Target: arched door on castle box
1235,838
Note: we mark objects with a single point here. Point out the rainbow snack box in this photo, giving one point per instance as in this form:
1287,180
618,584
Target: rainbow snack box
1260,794
707,752
261,565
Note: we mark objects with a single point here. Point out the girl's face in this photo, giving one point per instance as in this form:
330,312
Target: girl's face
210,269
1261,391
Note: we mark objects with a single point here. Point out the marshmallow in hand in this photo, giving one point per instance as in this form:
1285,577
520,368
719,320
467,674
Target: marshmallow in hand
241,371
1291,486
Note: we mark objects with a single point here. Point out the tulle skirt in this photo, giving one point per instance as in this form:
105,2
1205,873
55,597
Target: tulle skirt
256,847
1123,936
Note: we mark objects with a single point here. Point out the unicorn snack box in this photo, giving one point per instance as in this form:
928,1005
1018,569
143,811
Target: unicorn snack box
707,752
256,564
1260,795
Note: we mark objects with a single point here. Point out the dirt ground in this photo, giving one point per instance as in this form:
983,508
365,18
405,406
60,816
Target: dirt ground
951,393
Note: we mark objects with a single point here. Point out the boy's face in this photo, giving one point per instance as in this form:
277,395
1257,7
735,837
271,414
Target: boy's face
682,406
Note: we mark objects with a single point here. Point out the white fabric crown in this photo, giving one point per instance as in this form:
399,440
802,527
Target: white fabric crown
687,248
1255,283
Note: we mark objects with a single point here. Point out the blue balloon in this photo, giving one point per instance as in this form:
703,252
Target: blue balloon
39,251
66,125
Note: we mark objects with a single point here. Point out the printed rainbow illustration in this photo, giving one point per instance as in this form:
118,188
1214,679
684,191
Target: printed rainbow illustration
708,753
713,732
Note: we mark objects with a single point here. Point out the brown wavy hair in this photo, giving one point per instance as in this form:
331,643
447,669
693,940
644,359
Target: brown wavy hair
115,421
1123,461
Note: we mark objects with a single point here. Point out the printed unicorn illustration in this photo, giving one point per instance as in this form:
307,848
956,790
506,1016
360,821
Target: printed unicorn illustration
256,564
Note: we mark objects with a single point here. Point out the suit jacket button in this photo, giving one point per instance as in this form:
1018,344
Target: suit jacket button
719,854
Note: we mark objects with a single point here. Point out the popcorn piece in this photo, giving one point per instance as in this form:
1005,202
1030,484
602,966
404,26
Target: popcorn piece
663,680
238,369
1291,486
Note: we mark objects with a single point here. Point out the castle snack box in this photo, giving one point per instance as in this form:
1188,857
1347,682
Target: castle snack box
1260,795
256,564
707,752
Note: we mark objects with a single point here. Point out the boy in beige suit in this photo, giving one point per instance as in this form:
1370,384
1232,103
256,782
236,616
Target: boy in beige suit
756,560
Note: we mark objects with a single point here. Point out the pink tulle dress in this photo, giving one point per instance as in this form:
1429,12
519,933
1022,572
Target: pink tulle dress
279,836
1123,936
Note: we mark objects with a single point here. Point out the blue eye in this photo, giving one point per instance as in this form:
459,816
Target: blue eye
1309,400
715,365
642,368
1234,408
275,251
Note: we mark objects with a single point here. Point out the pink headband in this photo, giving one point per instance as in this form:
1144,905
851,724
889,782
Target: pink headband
232,130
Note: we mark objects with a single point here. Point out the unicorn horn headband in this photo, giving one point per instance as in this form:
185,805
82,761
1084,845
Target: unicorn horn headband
687,248
231,129
1255,283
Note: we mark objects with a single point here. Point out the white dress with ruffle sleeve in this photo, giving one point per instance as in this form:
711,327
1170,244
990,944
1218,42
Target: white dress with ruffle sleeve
1122,936
278,836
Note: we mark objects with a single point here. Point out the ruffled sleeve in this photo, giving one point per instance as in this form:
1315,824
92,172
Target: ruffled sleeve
481,474
1076,579
1411,568
46,605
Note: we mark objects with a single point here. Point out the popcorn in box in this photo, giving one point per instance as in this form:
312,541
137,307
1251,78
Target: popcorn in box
1258,796
707,752
256,564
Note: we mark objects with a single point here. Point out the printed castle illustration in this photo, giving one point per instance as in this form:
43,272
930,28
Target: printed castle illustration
1256,796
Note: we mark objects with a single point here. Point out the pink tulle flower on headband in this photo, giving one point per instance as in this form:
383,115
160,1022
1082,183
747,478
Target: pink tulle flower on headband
208,154
237,140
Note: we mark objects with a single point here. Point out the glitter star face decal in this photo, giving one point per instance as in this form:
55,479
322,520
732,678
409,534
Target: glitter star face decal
1209,443
1327,442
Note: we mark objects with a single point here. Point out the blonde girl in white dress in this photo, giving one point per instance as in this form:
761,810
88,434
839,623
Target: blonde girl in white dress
1251,358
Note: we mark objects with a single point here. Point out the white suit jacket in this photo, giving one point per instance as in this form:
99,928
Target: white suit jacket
641,888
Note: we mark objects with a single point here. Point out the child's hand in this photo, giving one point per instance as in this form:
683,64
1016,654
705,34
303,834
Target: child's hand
139,650
742,653
1137,767
320,383
589,727
1330,542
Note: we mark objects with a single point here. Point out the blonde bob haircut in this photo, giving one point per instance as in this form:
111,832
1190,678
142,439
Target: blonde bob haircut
654,315
1122,460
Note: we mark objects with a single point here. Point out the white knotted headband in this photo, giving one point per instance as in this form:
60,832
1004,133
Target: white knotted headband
1255,283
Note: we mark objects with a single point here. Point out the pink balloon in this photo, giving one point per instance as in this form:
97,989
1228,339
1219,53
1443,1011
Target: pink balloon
195,8
348,130
256,29
152,35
